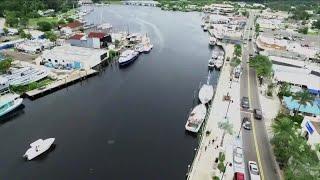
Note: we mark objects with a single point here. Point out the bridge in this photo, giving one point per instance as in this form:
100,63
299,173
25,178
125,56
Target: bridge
141,3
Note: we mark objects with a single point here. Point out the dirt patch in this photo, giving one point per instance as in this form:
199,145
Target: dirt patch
21,56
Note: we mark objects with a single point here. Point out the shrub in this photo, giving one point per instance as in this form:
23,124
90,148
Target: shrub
44,26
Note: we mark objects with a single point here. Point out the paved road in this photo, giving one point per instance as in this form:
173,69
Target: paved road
255,142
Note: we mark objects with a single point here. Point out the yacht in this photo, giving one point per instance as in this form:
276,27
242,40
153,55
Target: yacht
38,147
196,118
147,47
218,63
212,41
206,93
211,63
9,102
127,57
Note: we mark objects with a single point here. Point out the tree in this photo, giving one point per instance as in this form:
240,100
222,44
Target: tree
51,36
5,31
257,29
237,50
44,26
303,30
303,98
235,62
5,65
284,90
61,22
70,20
316,24
227,127
262,65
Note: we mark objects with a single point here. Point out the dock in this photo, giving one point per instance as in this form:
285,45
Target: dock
61,83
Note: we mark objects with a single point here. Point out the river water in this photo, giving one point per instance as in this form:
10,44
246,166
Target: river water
124,123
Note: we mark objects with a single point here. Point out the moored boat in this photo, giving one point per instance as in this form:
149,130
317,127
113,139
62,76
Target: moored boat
9,102
127,57
212,41
38,147
196,118
206,93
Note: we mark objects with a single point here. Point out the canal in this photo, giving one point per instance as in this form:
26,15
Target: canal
124,123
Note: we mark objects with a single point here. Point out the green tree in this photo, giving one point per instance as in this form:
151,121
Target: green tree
235,62
5,65
227,127
303,30
5,31
316,24
61,22
44,26
284,90
262,65
70,20
51,36
304,98
12,19
257,29
237,50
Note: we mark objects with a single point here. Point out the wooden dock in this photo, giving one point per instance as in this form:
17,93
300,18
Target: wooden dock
59,84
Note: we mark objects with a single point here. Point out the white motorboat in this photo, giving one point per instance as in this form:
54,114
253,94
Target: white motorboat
206,93
212,41
205,28
211,63
218,64
215,54
147,47
38,147
127,57
9,102
196,118
139,48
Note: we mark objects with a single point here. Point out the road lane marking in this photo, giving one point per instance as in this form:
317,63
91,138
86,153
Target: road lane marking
253,128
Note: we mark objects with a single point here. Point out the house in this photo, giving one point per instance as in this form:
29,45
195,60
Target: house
69,28
95,40
310,129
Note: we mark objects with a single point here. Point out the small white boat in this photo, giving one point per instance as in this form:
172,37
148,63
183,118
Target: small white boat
205,28
202,24
206,93
218,64
215,54
9,102
211,63
212,41
139,48
38,147
127,57
196,118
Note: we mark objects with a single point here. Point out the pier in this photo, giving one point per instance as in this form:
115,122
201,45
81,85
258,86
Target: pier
61,83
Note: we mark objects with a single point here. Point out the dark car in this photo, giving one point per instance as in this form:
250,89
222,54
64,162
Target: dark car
257,113
246,123
245,102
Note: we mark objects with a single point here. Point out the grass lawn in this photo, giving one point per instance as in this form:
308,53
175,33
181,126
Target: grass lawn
33,21
31,86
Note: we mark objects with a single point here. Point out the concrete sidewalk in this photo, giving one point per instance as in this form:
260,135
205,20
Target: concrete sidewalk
202,168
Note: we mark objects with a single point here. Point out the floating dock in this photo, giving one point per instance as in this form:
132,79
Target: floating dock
59,84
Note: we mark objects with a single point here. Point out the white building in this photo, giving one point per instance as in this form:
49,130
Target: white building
310,127
74,57
34,46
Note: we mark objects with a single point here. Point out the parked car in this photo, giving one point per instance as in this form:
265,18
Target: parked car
238,156
238,176
257,114
246,123
245,102
253,170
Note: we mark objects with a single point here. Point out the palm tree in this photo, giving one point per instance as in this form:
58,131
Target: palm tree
303,98
226,127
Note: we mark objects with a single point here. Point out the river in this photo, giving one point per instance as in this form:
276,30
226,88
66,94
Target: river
124,123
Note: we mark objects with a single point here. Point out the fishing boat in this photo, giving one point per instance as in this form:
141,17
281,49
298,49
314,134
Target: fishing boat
38,147
127,57
9,102
206,93
196,118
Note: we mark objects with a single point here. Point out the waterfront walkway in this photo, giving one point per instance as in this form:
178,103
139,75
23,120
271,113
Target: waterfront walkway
203,167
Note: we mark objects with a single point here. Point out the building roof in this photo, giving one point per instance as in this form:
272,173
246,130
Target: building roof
99,35
77,36
74,24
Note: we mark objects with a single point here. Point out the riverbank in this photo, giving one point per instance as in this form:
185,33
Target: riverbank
204,166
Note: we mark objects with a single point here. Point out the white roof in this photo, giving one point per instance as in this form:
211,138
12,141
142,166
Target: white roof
88,56
298,76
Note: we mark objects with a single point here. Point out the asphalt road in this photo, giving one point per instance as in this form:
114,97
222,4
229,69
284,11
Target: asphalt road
256,145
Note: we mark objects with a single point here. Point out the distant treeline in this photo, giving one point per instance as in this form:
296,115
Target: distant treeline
19,11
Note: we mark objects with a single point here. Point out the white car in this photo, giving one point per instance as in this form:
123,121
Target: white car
253,170
238,156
